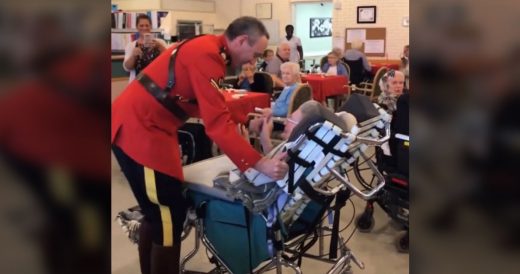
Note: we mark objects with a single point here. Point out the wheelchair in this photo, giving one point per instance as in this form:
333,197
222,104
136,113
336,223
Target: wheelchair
394,197
252,224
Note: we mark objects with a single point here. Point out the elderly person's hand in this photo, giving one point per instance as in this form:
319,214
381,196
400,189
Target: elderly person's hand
275,167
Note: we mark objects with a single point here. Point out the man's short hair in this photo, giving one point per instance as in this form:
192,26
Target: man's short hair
289,27
251,26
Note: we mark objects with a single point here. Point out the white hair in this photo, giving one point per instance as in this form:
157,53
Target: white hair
383,82
356,44
294,68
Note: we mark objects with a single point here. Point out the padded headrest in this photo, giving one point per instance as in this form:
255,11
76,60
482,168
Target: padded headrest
360,106
323,114
348,118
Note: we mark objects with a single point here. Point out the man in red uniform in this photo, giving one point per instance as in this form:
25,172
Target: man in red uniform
145,123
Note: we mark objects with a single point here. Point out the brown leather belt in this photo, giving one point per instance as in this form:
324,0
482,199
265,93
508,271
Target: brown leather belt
170,103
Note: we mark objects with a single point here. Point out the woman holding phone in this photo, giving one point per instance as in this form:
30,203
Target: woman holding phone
142,51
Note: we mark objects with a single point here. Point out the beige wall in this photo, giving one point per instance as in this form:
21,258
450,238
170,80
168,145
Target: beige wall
389,14
227,10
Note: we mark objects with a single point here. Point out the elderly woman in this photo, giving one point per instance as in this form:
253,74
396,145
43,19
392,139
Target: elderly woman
291,79
333,66
392,86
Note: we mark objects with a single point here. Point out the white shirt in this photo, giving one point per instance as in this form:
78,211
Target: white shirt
128,53
294,42
333,70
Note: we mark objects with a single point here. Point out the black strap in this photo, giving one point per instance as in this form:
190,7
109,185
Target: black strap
313,194
162,97
171,65
341,201
328,147
295,158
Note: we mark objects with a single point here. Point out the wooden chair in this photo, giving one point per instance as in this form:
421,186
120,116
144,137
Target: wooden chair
300,95
263,82
371,89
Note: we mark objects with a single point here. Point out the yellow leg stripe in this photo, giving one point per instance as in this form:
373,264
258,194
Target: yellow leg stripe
149,180
166,219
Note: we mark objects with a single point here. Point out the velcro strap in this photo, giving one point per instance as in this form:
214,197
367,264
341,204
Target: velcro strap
162,97
327,147
298,160
313,194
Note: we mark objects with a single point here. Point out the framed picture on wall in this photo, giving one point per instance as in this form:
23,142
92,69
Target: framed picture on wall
366,14
320,27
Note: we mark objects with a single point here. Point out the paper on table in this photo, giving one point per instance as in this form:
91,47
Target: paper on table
375,46
356,34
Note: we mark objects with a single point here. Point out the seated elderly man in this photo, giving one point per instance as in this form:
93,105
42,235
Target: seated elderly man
311,112
273,67
392,86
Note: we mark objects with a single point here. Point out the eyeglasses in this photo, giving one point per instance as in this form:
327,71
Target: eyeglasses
291,121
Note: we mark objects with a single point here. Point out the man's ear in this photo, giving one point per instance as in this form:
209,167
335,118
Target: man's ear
241,39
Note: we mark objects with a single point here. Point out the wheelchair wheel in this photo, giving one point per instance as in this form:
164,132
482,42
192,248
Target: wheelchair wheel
402,242
365,222
363,172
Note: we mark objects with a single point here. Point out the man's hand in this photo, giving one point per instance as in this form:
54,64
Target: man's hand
275,168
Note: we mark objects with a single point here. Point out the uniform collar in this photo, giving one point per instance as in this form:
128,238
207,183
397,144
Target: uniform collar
224,50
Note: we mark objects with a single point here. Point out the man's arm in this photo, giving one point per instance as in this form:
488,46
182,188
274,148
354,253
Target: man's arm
219,124
300,48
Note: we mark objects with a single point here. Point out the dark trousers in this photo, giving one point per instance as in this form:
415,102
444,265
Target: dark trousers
159,196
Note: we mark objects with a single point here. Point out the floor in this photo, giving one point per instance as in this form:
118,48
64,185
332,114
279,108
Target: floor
375,249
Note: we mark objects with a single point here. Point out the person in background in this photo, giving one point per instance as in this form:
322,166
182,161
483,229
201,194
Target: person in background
392,86
141,52
333,66
354,53
267,57
273,67
405,65
246,77
291,79
295,44
144,127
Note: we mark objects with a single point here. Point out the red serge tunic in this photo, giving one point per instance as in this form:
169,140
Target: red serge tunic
147,132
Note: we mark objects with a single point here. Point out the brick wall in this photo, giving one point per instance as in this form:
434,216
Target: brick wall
389,14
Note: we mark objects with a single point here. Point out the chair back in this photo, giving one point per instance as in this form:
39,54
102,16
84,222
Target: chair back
300,95
357,71
263,82
231,81
377,89
347,68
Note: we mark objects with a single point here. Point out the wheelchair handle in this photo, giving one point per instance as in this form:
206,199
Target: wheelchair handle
375,141
365,196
